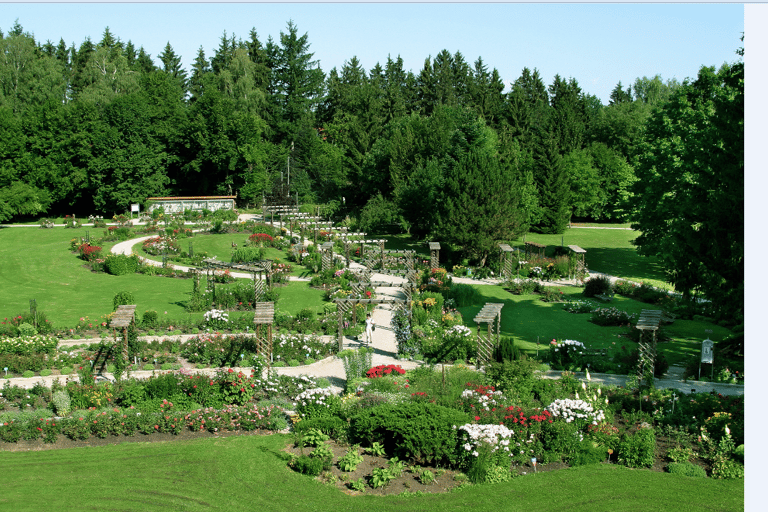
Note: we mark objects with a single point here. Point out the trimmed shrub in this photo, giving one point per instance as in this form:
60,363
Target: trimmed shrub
686,469
600,285
420,431
120,264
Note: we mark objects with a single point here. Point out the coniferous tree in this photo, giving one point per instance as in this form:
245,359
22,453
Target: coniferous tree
552,183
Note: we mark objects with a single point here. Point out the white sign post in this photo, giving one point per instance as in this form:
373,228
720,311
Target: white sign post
134,208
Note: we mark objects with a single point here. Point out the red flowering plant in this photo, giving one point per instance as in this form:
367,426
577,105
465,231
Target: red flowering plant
89,252
384,369
260,240
236,387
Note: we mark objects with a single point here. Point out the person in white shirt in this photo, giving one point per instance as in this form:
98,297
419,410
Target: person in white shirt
369,326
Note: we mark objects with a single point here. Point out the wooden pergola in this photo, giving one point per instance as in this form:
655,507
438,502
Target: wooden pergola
434,255
122,319
505,263
534,248
263,318
344,305
579,252
648,323
490,317
261,271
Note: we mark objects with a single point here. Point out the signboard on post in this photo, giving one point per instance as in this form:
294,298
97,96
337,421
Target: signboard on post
707,351
134,208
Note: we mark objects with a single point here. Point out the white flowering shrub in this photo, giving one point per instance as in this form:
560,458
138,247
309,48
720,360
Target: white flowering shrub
317,403
580,412
565,354
484,450
216,318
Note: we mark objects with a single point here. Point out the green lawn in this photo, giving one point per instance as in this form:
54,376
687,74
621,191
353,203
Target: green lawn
250,473
608,250
526,318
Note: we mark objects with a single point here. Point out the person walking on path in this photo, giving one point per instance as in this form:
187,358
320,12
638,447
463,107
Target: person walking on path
370,325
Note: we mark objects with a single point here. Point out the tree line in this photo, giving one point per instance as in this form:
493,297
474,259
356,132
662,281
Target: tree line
443,151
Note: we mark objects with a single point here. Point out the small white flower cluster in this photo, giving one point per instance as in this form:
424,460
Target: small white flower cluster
459,330
496,436
216,314
571,410
314,396
487,400
568,345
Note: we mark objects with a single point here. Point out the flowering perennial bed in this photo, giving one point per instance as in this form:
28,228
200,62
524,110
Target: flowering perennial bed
27,345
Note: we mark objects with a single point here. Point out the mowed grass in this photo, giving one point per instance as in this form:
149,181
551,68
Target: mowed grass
609,251
37,264
528,319
251,473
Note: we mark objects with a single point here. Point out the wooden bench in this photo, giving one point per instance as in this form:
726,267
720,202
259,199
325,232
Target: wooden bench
605,297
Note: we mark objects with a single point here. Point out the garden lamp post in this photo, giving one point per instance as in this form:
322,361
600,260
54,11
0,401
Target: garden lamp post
533,461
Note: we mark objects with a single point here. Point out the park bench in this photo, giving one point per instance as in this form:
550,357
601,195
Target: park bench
605,297
596,352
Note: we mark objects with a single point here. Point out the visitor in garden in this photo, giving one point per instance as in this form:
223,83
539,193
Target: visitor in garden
370,325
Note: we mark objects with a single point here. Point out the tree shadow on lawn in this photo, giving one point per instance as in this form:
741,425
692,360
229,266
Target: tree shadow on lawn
624,261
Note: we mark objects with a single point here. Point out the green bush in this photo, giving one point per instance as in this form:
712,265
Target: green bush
514,378
561,440
506,350
27,374
26,330
149,319
637,450
122,299
248,254
600,285
686,469
121,264
45,372
423,432
333,426
311,466
464,295
65,370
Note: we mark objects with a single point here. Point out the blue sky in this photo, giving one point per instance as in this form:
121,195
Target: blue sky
597,44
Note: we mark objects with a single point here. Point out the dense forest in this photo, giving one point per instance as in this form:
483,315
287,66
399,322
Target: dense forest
443,152
91,129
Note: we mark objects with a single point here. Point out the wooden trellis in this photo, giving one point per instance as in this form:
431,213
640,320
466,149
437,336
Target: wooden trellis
490,316
327,253
122,319
534,248
261,271
344,305
358,288
280,210
391,256
506,261
263,318
580,264
434,255
648,322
